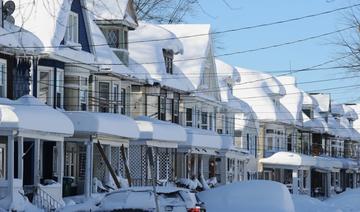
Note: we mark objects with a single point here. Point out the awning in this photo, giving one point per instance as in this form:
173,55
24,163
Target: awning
349,164
158,133
104,124
328,163
30,116
289,159
202,142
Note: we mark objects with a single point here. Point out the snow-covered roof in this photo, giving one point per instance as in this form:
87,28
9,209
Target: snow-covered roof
337,129
28,114
308,99
227,77
289,159
293,100
248,119
34,15
52,14
148,57
203,139
16,37
154,129
298,160
113,11
356,123
344,110
104,124
345,124
323,101
197,44
317,124
259,90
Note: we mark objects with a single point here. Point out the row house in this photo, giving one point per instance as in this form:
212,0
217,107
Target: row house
185,93
72,75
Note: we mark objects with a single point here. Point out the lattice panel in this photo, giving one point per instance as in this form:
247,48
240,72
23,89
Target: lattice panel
116,160
165,165
135,162
82,162
99,165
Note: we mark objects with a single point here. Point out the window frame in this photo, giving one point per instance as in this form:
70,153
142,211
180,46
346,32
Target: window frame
104,105
168,55
3,78
72,29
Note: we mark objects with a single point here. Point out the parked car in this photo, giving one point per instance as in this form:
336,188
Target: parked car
142,199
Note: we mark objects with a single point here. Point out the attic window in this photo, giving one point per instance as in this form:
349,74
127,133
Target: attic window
117,37
169,59
72,30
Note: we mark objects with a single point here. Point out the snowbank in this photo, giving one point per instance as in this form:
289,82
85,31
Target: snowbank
346,201
245,196
305,203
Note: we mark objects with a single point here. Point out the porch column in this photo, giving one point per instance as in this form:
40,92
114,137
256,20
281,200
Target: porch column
10,166
60,161
107,150
308,181
282,177
301,180
328,184
20,141
354,179
295,181
88,172
37,161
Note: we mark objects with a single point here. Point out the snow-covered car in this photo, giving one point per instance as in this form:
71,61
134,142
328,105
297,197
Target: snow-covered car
141,199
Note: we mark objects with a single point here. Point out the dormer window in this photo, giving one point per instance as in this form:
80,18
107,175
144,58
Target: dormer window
72,30
169,59
351,122
308,112
117,39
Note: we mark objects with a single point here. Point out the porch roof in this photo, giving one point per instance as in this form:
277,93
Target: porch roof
154,129
289,159
28,114
204,139
297,160
317,125
105,124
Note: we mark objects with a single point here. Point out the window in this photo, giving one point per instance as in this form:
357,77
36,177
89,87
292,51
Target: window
116,37
72,30
189,117
211,121
70,160
104,97
116,94
123,101
83,93
44,87
308,112
2,78
59,89
162,105
204,120
248,141
269,143
168,59
176,107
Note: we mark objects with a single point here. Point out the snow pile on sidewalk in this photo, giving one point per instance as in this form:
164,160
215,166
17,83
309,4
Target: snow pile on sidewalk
255,196
306,203
346,201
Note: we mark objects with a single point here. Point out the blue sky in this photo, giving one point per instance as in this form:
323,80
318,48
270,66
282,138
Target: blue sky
297,56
